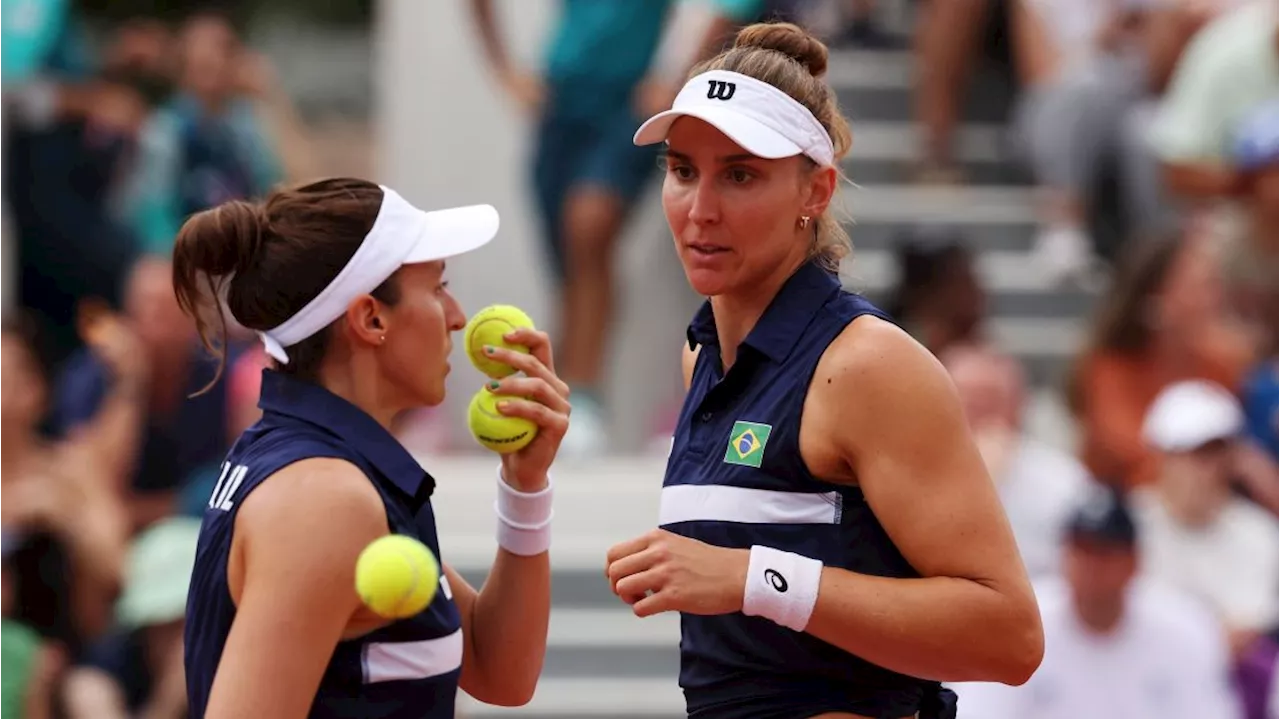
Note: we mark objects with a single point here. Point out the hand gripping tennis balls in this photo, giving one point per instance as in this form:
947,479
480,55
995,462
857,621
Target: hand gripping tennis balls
487,327
397,576
496,431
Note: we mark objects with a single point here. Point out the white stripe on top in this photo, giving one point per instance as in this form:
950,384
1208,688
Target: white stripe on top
722,503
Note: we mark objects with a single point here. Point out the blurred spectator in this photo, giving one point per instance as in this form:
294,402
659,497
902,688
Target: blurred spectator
1173,23
947,43
1081,66
1254,152
1117,646
142,45
1262,405
1196,533
230,133
599,83
243,380
70,133
1262,388
859,25
137,671
938,298
847,23
1228,71
31,29
1168,28
182,434
64,528
1039,485
1163,319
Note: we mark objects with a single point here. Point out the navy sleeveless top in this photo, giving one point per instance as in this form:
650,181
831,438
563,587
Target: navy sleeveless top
735,478
407,669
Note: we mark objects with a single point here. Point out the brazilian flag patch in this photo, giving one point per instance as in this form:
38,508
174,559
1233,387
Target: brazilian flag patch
746,443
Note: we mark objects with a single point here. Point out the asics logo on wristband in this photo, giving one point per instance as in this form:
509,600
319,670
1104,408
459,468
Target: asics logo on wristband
776,580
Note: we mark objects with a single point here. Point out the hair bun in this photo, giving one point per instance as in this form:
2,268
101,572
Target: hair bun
222,240
789,39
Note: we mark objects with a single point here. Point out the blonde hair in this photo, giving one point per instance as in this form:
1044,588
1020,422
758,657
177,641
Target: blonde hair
789,58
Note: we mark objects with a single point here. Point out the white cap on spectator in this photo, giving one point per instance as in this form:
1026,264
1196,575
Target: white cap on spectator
1188,415
764,120
401,235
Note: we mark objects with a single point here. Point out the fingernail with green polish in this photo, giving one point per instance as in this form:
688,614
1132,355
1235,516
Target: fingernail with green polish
493,385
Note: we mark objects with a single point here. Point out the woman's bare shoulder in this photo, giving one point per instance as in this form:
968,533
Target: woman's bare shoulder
323,494
875,373
870,347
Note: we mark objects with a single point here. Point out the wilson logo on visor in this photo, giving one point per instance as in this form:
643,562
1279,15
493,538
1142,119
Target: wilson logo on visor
720,90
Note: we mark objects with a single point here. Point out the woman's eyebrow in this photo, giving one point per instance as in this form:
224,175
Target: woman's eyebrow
723,159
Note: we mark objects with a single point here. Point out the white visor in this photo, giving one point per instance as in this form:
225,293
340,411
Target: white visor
764,120
401,235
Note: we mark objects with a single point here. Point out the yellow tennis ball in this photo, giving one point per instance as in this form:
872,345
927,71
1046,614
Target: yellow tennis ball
397,576
496,431
487,327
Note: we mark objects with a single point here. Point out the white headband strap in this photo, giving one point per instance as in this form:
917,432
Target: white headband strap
393,236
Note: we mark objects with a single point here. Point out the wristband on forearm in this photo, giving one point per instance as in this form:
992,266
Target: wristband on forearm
524,519
781,587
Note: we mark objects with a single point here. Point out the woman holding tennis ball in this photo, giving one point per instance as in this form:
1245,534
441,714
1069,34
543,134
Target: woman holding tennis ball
343,280
488,329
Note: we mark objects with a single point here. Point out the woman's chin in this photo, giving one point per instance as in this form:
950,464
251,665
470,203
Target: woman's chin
433,397
707,282
426,394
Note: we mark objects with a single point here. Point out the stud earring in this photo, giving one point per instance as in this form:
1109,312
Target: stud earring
383,338
804,222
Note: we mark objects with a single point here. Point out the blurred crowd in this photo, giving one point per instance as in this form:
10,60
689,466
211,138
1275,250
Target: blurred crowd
1149,128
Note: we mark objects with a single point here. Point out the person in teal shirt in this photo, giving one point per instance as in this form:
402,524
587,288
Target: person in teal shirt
206,145
30,30
596,83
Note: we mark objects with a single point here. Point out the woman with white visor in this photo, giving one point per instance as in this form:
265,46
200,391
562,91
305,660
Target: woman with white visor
828,531
344,282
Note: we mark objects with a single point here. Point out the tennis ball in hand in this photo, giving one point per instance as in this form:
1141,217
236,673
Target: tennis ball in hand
487,327
397,576
496,431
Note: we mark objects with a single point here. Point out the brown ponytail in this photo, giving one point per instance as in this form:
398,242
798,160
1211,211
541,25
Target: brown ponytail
211,247
265,261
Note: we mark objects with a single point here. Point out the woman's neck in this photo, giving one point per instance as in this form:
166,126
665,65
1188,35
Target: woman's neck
737,313
362,387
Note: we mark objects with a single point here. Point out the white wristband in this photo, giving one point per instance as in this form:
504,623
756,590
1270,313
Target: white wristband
524,519
781,586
